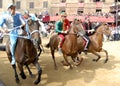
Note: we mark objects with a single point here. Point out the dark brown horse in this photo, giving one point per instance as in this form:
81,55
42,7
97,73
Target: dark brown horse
26,52
74,43
36,39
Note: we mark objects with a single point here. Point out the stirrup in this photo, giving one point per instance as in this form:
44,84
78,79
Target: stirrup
13,62
85,49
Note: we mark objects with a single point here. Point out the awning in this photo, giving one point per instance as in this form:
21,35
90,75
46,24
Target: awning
101,19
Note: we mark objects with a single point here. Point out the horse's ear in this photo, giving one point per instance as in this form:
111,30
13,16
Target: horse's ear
105,23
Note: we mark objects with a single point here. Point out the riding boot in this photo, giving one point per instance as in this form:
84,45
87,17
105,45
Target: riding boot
13,40
13,56
87,43
59,48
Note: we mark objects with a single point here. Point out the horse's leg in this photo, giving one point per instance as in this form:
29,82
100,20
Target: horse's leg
16,75
13,66
40,50
37,65
76,60
30,73
53,57
66,60
42,47
22,74
95,53
106,55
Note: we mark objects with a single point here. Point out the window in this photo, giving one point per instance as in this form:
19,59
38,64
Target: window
62,1
62,9
31,5
45,4
1,3
80,11
98,10
18,5
81,1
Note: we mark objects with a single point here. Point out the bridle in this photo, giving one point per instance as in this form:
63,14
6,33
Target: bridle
36,42
30,33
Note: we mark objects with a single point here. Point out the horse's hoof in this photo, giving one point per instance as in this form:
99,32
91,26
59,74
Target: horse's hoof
32,76
105,61
23,76
64,63
71,67
36,82
56,68
78,63
94,60
17,80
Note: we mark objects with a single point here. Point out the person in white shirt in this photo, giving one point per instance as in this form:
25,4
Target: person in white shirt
13,21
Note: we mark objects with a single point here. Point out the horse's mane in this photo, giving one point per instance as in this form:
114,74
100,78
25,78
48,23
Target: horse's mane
96,27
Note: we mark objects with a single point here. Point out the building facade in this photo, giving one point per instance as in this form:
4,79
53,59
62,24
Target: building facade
53,7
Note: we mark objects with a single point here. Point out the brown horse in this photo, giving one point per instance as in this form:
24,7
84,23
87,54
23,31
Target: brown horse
26,52
69,47
96,41
74,43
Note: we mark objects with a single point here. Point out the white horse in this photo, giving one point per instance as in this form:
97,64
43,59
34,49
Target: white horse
42,29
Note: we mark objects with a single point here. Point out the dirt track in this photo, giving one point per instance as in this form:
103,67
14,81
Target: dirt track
89,73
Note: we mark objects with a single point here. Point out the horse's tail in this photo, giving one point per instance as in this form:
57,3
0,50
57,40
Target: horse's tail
47,45
2,48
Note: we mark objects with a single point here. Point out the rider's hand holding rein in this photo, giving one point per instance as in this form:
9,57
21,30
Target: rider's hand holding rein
1,30
65,32
91,31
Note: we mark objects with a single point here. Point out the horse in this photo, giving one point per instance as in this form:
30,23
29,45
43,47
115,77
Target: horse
37,38
42,29
74,43
96,41
69,47
26,52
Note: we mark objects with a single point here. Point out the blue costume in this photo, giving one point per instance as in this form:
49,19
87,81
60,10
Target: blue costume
12,22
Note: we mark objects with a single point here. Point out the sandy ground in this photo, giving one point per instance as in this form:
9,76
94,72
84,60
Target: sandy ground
89,73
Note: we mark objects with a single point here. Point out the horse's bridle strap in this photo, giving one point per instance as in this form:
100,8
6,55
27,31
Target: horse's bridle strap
34,31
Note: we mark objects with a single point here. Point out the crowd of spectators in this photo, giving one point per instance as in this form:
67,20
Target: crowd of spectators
99,14
115,34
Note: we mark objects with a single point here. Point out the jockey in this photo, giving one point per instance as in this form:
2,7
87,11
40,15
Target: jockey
26,14
88,26
13,21
82,33
62,27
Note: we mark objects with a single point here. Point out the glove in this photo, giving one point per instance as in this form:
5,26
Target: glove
66,32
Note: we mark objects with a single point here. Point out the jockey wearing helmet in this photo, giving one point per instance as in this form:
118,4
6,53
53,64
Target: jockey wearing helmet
13,21
62,27
26,14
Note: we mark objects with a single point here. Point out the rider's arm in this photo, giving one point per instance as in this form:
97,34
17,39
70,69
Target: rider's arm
68,24
57,27
22,21
2,22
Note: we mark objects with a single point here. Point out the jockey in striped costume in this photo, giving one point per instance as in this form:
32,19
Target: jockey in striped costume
62,27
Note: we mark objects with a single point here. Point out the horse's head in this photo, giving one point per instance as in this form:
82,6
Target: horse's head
104,29
43,29
33,29
76,26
